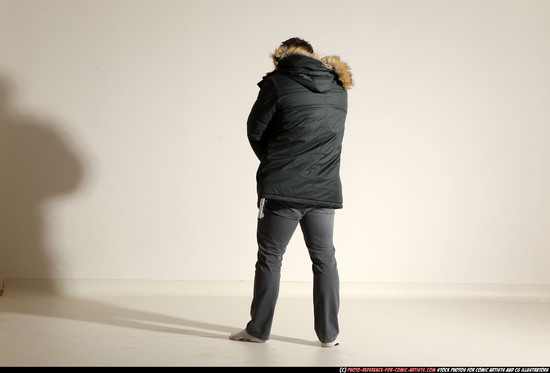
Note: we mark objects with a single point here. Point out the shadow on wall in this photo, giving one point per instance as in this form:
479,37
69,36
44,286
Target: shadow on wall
36,164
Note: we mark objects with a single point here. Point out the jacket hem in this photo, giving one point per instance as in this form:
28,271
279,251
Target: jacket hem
302,201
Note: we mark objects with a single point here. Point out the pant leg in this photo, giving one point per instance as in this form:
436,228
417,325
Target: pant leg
274,232
317,227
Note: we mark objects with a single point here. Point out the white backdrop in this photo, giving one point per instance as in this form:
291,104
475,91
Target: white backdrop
123,147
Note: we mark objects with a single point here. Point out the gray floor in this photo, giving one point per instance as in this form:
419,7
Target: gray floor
162,323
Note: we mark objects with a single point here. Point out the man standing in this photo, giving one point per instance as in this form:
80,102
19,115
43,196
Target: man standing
295,128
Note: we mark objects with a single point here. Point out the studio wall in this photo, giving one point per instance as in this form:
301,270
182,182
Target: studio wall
123,148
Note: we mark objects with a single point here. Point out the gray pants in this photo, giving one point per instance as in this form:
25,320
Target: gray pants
274,232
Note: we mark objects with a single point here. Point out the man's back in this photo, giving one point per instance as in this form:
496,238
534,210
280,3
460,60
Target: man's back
296,128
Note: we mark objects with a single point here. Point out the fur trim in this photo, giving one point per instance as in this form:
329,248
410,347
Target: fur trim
333,63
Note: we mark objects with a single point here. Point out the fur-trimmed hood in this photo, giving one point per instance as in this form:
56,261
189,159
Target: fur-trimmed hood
334,63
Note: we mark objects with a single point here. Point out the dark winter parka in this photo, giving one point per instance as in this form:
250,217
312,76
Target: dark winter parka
296,127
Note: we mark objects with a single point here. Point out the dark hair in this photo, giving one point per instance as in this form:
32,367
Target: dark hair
297,42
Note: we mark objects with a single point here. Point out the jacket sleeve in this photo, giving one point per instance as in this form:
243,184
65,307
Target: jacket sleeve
261,115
